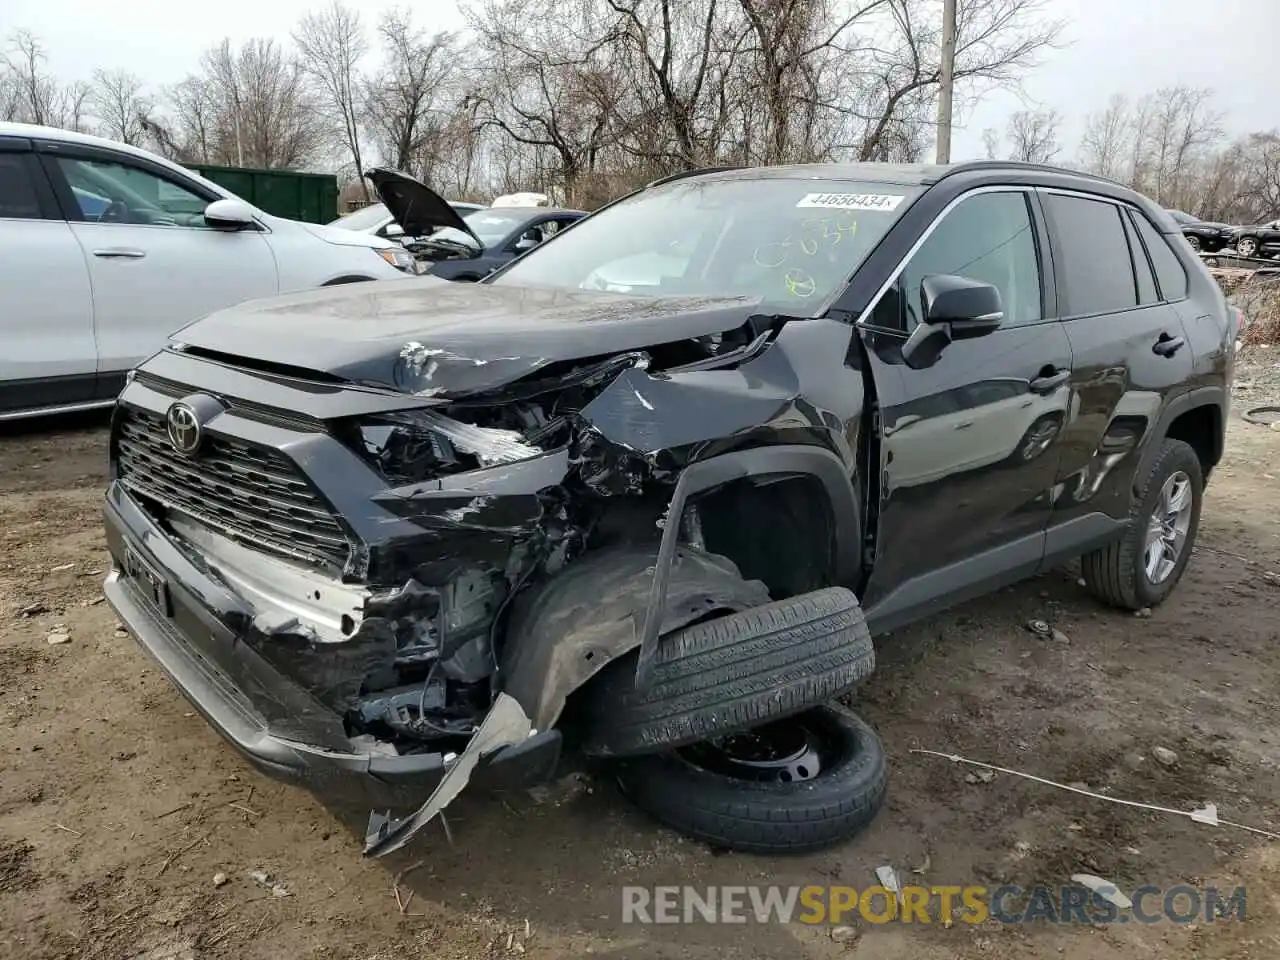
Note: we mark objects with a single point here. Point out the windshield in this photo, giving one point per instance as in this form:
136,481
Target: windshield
366,218
792,243
491,226
1181,217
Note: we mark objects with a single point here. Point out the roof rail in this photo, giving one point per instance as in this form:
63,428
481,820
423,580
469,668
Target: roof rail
964,165
670,178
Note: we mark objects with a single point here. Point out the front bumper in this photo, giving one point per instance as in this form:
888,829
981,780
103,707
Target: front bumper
185,619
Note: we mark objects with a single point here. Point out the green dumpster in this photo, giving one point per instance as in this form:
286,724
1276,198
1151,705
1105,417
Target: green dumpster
312,197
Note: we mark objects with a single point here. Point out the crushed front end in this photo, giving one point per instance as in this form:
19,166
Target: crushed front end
324,586
330,570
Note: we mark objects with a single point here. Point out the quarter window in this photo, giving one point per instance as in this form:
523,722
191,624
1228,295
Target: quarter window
989,238
109,192
1096,272
1169,270
1141,266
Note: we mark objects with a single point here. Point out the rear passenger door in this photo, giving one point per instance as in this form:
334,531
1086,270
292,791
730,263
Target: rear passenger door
48,356
1130,351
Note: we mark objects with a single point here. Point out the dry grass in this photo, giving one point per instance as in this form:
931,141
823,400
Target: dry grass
1259,297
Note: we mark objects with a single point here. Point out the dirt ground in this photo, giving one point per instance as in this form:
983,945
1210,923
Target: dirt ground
118,805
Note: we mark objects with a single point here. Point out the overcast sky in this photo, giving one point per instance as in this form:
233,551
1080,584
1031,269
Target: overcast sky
1132,46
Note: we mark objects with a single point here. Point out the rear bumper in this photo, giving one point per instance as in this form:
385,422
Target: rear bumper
189,633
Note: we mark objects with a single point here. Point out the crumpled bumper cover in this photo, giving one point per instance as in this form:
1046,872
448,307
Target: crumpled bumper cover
179,614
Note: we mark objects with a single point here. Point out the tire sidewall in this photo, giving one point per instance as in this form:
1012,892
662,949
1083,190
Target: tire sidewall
1176,456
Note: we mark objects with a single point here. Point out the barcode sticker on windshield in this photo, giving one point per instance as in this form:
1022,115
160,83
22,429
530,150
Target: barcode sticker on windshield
852,201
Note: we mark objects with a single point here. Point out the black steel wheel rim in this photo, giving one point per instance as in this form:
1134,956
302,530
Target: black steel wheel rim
784,751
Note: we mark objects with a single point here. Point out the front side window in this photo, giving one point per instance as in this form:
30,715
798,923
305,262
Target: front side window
1095,271
791,244
988,237
106,191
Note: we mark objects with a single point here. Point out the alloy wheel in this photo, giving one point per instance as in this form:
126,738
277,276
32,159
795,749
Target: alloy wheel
1167,528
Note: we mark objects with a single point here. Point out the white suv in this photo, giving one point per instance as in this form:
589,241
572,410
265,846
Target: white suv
106,249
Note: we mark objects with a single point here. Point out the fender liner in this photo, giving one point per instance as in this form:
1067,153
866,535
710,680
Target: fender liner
1199,397
717,471
566,630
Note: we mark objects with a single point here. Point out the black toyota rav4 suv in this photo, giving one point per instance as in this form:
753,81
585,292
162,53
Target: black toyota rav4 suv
649,490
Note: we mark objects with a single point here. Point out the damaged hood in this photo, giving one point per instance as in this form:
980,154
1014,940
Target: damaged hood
431,337
419,210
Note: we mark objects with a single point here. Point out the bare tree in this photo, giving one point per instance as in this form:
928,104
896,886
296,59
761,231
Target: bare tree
892,98
411,99
33,94
549,87
1103,144
253,104
991,143
331,45
121,106
1033,135
1185,126
1259,196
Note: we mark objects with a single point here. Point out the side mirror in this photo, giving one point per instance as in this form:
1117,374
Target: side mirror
229,215
953,308
525,243
393,231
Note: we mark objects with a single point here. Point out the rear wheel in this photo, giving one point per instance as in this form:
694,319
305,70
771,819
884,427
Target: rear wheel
1248,247
1142,569
790,786
1194,241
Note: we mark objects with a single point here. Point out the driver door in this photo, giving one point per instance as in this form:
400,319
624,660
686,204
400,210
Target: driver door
970,442
154,264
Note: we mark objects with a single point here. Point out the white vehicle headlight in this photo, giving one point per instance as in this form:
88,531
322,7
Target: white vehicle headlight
398,257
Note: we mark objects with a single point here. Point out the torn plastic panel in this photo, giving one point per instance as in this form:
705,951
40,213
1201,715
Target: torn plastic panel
506,725
567,628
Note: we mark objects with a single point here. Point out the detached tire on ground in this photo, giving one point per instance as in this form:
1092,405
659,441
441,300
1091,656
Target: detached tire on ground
731,673
1142,568
779,806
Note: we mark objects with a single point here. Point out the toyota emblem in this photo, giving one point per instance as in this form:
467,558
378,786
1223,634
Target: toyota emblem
183,427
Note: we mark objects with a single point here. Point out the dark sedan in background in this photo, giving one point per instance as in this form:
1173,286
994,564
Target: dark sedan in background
1205,236
463,247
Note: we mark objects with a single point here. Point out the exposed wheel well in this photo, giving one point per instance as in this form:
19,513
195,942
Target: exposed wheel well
351,279
777,529
1200,428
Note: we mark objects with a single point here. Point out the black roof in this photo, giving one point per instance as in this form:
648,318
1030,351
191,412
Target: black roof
963,175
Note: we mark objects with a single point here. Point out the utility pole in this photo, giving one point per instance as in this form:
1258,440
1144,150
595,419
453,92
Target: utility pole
946,80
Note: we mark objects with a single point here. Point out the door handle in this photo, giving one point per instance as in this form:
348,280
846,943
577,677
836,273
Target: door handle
1167,346
1049,382
120,253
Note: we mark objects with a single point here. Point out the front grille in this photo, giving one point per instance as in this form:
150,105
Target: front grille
250,493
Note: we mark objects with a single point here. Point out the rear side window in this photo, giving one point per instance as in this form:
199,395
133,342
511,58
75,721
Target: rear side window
17,191
1096,273
1169,270
1141,266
